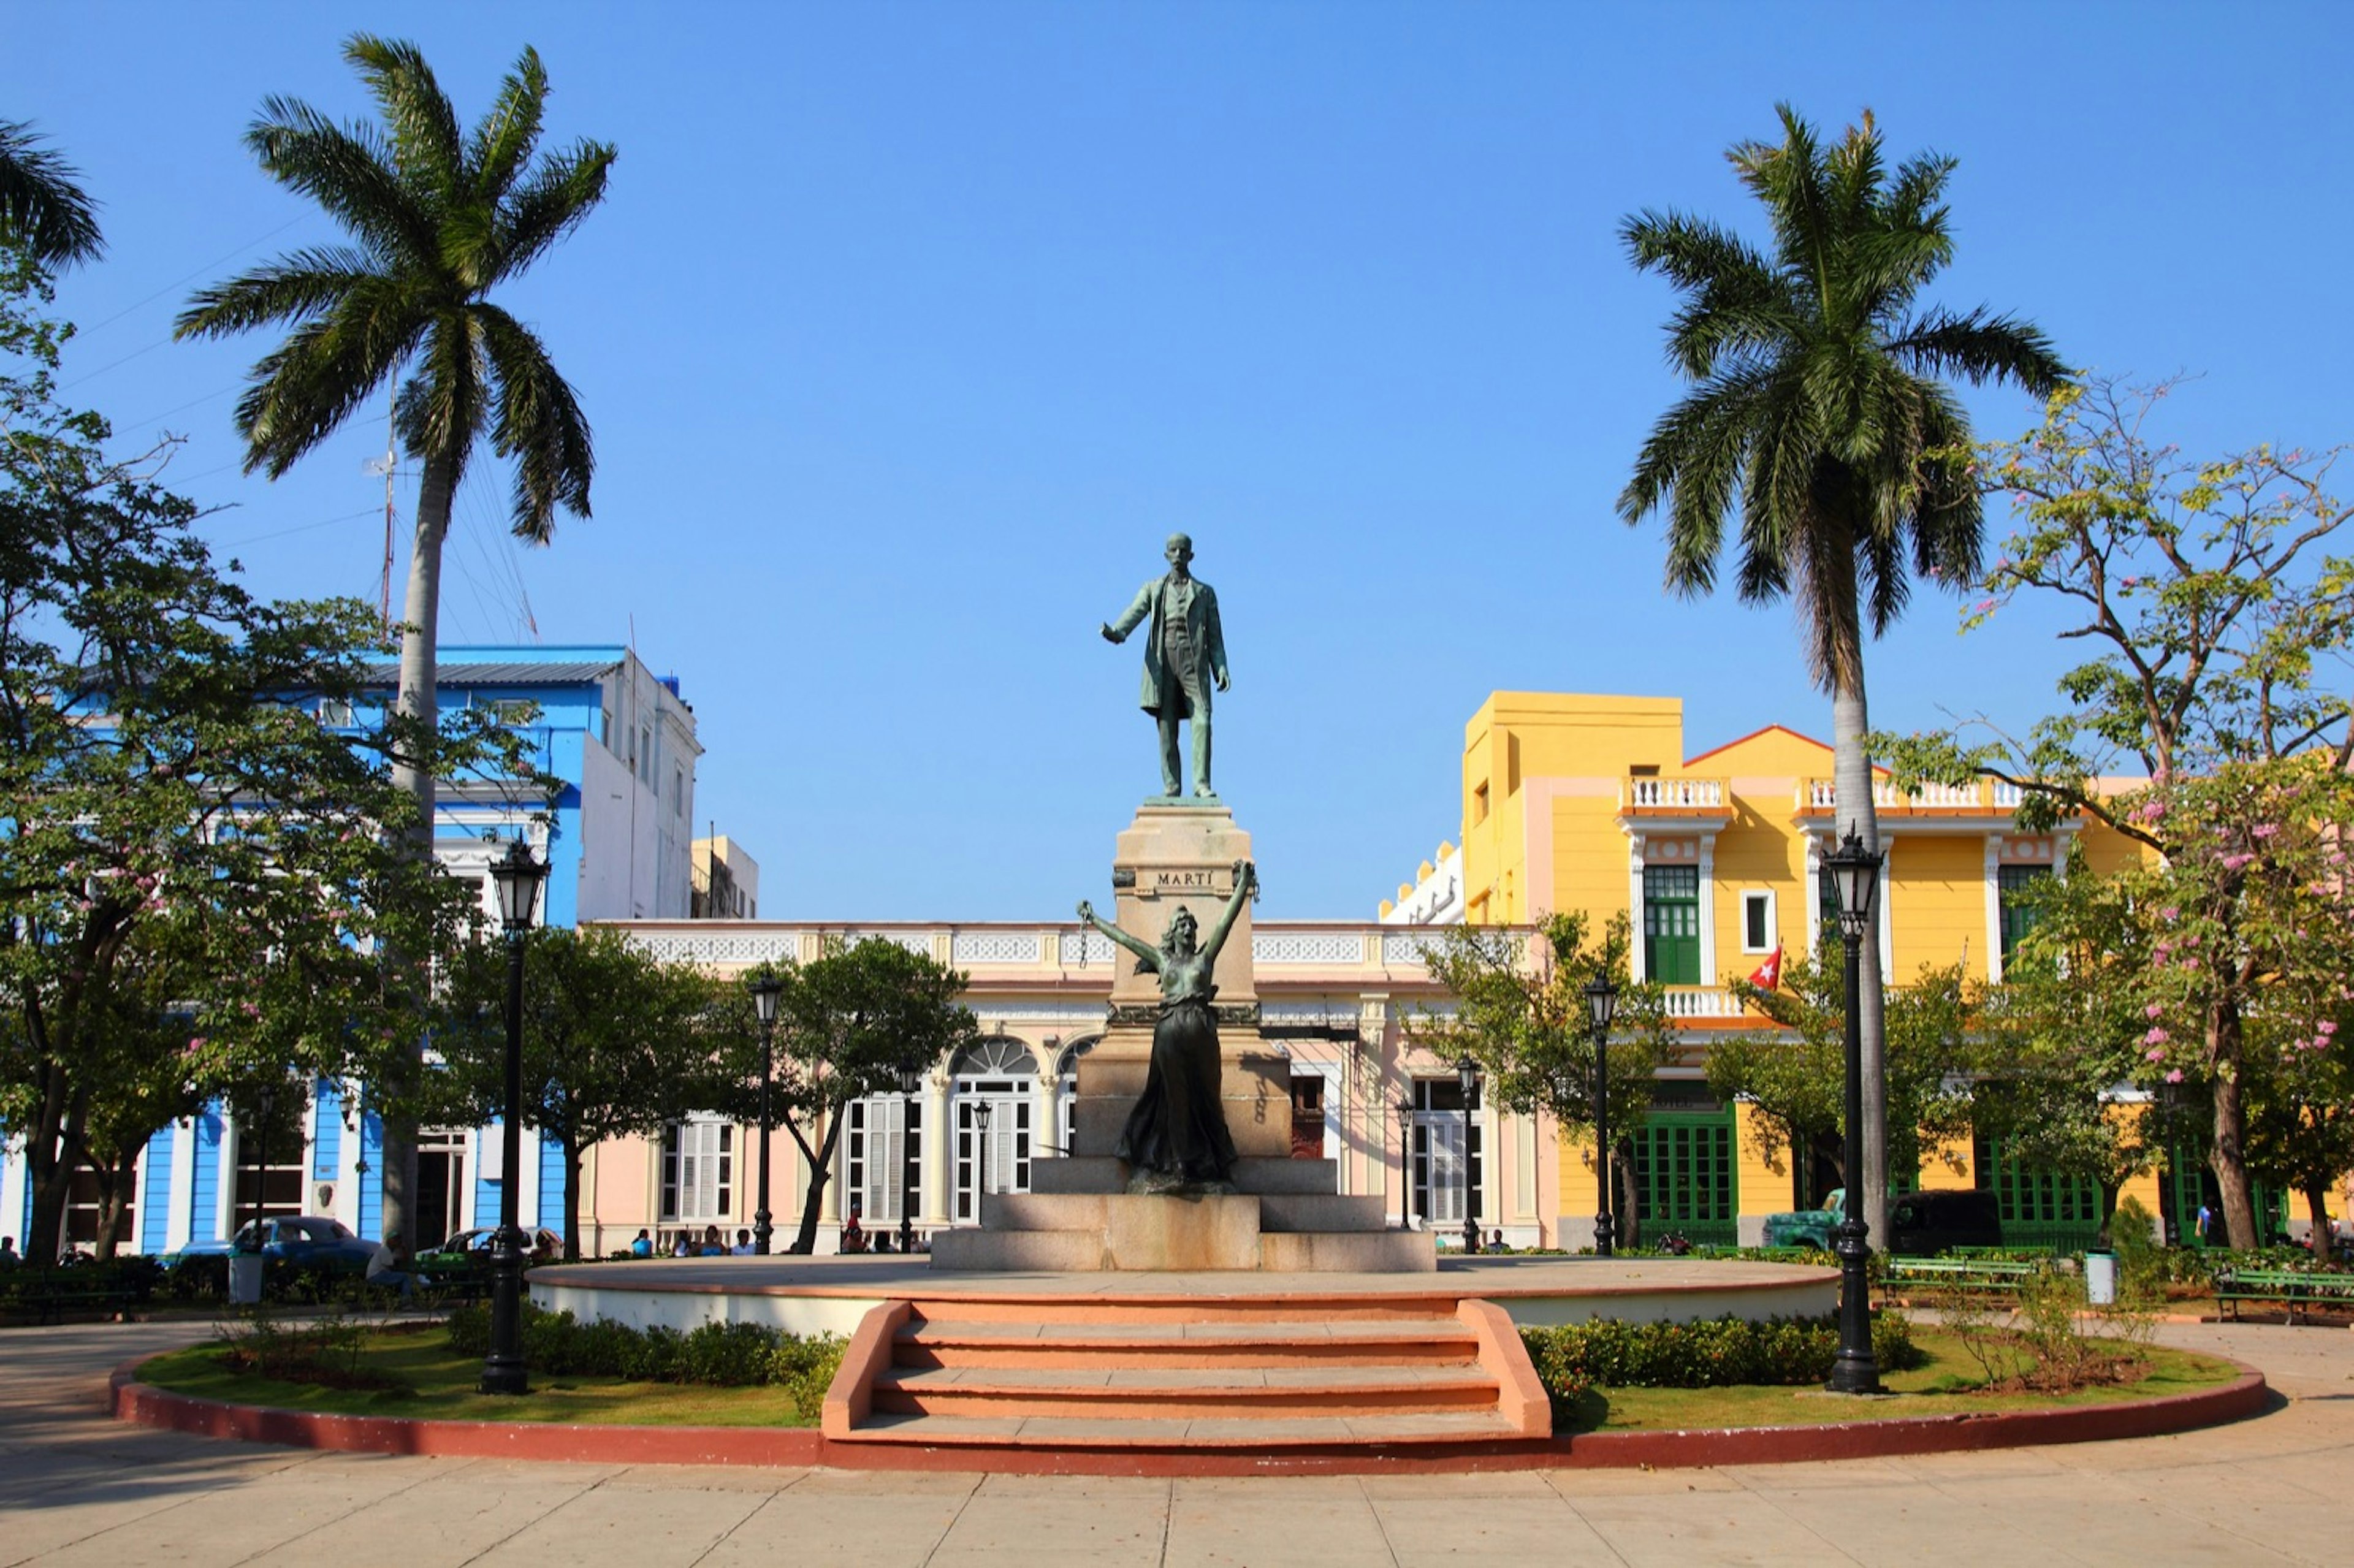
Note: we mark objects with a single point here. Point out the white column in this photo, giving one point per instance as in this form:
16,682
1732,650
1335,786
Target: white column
1042,1106
939,1149
176,1214
528,1195
1634,967
310,1143
349,1149
1708,975
479,1143
1994,908
12,1187
139,1197
225,1190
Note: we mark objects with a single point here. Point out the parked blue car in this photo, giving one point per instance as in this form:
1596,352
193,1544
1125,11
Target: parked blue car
290,1241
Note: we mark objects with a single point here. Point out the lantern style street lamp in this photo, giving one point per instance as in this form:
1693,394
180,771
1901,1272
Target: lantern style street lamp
516,876
1467,1073
765,992
911,1081
981,1110
1855,875
1601,1005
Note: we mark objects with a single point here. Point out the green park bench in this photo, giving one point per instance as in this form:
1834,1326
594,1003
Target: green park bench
2285,1287
1976,1275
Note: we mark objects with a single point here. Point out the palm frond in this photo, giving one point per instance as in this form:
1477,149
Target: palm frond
296,286
561,189
304,390
536,420
426,146
510,131
43,207
348,171
1982,347
441,407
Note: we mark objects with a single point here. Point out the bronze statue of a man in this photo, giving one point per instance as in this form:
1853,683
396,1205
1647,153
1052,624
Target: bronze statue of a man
1185,656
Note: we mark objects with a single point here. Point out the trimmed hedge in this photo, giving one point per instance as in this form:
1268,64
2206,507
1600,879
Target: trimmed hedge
1574,1359
726,1355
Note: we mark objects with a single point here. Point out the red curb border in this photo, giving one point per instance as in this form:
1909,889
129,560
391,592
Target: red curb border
130,1400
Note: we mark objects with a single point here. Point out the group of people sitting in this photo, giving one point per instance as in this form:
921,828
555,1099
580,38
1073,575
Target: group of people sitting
684,1244
713,1243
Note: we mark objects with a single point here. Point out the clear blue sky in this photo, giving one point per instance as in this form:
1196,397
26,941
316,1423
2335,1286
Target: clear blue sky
909,331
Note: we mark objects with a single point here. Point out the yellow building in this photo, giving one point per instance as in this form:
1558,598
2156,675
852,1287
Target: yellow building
1590,804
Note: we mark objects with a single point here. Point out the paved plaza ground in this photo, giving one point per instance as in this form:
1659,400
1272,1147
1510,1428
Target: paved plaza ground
78,1488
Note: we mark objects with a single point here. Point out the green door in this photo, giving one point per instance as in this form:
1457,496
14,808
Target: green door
1672,923
1685,1179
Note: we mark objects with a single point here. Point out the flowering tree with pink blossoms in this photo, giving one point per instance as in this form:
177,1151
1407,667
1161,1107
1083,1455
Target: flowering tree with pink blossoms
2217,615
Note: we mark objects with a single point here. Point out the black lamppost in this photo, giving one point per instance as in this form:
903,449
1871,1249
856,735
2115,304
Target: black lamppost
1467,1073
765,992
516,876
911,1081
1855,873
1601,1004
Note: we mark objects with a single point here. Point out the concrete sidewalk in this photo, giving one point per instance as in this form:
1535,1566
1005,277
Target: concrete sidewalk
76,1488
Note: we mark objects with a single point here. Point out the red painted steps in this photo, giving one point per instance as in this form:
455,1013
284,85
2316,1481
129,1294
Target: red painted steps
1186,1372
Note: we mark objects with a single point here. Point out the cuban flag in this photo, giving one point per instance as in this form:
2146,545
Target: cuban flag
1767,976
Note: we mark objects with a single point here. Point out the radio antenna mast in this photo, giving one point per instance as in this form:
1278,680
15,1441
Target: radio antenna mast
386,465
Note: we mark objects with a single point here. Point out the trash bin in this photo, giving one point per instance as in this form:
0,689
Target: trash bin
2101,1278
245,1279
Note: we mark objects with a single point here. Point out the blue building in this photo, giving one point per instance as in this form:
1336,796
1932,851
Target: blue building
617,840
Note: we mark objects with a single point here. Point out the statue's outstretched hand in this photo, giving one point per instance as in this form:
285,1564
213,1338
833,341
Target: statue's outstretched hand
1086,913
1108,634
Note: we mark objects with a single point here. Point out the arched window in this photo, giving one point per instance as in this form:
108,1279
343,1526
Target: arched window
994,1085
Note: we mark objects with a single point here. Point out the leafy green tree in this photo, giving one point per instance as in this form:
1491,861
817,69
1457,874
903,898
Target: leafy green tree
846,1024
183,838
615,1041
437,220
2218,613
1795,1078
44,212
1521,1012
1818,411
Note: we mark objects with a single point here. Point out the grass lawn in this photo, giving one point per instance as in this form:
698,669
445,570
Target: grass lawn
441,1387
1949,1384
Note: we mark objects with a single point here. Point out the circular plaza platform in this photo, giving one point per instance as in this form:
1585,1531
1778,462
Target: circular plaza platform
832,1295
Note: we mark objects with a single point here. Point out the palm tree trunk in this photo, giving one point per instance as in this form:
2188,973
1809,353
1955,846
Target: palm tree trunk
1852,782
418,702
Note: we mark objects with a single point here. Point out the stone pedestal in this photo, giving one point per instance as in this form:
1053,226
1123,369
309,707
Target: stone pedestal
1285,1215
1175,857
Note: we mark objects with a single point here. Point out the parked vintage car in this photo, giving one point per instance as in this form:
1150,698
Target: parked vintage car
287,1241
1920,1223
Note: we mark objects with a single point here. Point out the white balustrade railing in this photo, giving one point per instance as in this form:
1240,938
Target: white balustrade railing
1676,794
1702,1001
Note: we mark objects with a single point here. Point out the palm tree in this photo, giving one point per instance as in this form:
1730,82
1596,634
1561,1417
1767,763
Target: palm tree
436,219
43,209
1816,402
